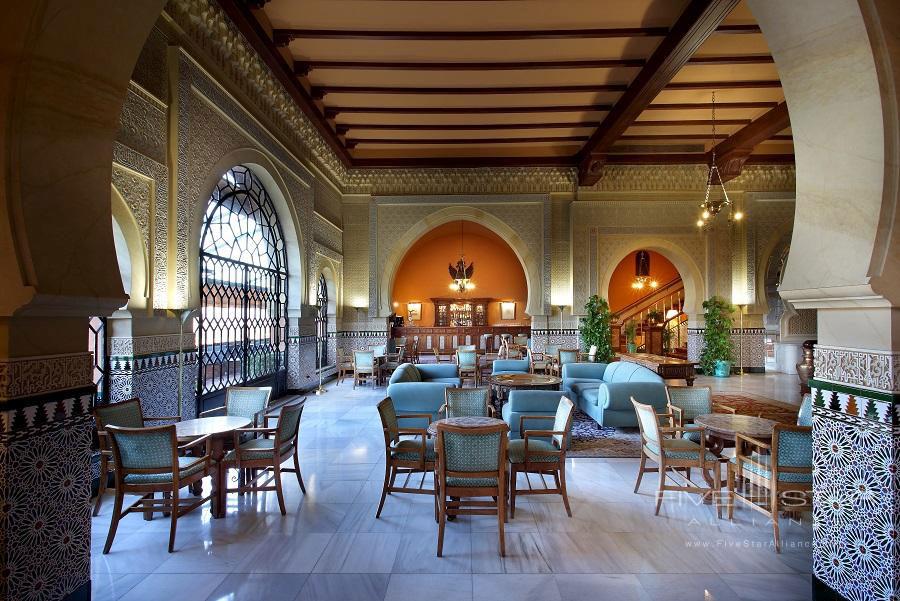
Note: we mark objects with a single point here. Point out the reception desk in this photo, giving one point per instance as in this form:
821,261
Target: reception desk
445,340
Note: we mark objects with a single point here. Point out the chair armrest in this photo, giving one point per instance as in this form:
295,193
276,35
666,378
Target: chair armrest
725,408
269,430
208,411
752,441
413,431
543,433
522,419
677,415
204,439
415,416
676,429
157,418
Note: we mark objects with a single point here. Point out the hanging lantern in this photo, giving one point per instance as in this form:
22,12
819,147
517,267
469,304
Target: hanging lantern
642,277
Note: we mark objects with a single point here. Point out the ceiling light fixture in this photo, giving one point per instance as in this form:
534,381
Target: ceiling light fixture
642,277
462,275
712,206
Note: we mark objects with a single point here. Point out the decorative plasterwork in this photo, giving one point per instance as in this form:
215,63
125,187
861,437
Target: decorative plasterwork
148,345
327,234
487,180
29,376
877,370
142,123
689,178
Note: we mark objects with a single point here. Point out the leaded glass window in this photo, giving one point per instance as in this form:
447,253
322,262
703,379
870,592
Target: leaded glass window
322,321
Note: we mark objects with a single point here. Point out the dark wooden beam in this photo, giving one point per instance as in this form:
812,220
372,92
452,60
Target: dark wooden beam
343,128
731,154
305,66
333,111
692,158
467,141
241,15
689,122
319,92
283,37
706,106
699,20
709,136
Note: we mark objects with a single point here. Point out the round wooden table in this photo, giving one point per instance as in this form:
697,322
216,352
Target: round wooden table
501,384
724,426
468,421
219,429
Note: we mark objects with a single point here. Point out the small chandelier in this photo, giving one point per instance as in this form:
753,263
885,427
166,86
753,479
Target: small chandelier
642,277
460,274
711,207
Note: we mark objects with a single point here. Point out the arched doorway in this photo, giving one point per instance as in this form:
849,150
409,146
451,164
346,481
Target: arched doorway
242,330
423,274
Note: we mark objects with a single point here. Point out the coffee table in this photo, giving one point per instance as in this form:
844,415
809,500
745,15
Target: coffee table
724,426
501,384
467,421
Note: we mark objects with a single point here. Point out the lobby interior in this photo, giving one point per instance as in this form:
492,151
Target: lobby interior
342,202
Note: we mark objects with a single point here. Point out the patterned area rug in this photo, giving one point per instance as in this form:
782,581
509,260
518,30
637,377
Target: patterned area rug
589,440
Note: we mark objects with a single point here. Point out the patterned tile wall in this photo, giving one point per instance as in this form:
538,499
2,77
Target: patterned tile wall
754,347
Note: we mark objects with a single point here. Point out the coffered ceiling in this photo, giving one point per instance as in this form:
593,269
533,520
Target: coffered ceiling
530,82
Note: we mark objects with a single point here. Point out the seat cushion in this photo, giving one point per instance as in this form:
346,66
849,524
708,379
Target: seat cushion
679,448
591,396
581,387
408,450
766,472
692,436
164,477
256,448
515,450
472,482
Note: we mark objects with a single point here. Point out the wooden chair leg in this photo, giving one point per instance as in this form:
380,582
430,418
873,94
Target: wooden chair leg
562,488
731,493
384,487
501,518
717,492
101,488
774,508
278,490
660,489
297,469
442,518
513,476
640,472
114,524
174,519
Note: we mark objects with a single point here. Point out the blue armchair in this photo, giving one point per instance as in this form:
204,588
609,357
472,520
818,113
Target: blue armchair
420,388
530,402
604,391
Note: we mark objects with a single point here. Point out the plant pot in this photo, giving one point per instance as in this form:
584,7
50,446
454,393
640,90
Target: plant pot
723,369
632,347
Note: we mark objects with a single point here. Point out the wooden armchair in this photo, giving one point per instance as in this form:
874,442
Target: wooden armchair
344,366
566,355
467,360
250,402
148,461
471,464
687,402
532,454
674,454
779,471
460,402
128,414
364,367
404,456
263,456
393,361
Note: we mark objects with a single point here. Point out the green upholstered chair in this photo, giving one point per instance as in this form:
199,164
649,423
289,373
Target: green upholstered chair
779,471
364,367
127,414
148,461
266,453
674,454
461,402
567,356
686,403
467,360
540,362
404,455
394,360
249,402
804,416
465,347
471,464
521,340
535,454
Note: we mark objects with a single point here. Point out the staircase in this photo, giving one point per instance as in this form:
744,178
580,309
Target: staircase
668,296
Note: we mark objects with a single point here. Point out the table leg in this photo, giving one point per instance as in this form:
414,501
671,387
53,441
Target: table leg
219,478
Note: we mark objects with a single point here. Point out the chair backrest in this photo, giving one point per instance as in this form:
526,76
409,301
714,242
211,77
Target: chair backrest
364,359
565,412
465,347
593,350
389,422
463,402
150,450
400,342
289,422
521,340
478,452
378,350
647,421
804,416
401,353
514,351
437,354
568,355
551,350
247,401
127,414
692,400
467,358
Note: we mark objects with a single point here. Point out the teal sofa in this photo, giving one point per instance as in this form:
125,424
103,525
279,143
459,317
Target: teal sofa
530,402
510,366
604,391
420,388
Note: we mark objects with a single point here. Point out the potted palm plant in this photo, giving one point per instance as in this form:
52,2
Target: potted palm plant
718,353
655,316
595,328
630,335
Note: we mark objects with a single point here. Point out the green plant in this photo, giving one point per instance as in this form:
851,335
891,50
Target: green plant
630,331
667,339
655,316
717,333
595,328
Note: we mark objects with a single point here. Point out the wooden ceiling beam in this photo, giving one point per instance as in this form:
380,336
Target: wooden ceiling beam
284,36
343,128
304,67
732,153
333,111
707,106
699,20
695,158
467,141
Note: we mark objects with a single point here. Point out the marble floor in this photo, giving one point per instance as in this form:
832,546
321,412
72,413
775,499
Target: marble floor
330,547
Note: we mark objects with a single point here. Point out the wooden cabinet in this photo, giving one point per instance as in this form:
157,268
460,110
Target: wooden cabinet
460,312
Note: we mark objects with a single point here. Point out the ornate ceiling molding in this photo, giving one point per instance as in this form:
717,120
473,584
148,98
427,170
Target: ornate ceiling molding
690,178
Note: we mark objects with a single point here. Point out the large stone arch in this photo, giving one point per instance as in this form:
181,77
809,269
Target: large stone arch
691,275
135,256
776,242
530,260
265,170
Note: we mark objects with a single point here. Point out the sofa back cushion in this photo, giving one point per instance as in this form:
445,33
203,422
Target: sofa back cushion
406,373
585,371
623,371
433,371
515,365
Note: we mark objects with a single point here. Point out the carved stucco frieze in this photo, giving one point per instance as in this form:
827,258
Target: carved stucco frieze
147,345
30,376
688,178
142,124
487,180
327,234
879,370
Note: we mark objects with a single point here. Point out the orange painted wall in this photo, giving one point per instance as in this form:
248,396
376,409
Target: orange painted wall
621,294
423,273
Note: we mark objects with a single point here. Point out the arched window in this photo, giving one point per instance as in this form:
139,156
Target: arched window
322,321
243,287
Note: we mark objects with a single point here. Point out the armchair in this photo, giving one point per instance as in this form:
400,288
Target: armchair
404,456
687,402
244,401
467,360
364,367
459,402
147,461
344,365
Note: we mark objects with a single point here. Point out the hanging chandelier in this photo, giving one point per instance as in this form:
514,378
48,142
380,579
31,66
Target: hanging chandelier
713,204
460,274
642,277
